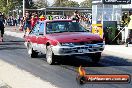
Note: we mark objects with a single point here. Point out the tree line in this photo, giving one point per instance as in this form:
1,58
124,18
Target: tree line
63,3
8,5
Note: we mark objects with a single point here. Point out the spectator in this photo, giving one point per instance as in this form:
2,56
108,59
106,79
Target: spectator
34,19
18,19
2,17
14,22
27,23
129,39
1,29
76,16
1,25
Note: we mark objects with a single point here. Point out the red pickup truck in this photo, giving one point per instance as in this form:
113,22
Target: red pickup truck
62,38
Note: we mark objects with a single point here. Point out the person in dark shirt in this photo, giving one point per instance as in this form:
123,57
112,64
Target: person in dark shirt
27,24
1,29
76,16
1,26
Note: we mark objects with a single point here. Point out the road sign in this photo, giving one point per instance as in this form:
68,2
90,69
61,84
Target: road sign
116,1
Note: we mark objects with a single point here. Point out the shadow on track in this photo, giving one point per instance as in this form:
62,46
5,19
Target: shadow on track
12,45
86,62
11,48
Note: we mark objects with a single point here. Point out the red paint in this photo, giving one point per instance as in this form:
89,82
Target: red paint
65,37
73,37
54,39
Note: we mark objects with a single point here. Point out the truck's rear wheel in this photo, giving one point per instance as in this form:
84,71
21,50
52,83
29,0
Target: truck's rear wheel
31,52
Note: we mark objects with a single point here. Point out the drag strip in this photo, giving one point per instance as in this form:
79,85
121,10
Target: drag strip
63,75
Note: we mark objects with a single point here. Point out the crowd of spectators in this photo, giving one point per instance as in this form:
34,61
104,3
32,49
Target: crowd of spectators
12,21
29,20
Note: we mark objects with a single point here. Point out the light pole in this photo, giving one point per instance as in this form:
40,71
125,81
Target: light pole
23,8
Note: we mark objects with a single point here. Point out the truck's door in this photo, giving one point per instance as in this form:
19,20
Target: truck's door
41,40
34,35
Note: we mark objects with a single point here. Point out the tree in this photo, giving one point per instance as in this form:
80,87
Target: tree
86,3
70,4
58,3
8,5
29,4
41,3
18,2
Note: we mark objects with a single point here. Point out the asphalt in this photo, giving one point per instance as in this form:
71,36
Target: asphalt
13,51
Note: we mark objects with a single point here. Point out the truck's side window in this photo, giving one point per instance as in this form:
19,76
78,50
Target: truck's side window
41,29
35,29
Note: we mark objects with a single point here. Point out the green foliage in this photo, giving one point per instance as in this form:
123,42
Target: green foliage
8,5
59,3
65,3
41,4
29,4
70,4
86,3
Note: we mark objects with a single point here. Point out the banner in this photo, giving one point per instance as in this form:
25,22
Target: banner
116,1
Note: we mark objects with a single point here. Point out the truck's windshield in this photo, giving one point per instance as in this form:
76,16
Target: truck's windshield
64,26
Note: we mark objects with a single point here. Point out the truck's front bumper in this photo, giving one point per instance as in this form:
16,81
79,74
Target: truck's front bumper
81,49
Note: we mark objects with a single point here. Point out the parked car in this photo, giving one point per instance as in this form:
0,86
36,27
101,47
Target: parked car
63,38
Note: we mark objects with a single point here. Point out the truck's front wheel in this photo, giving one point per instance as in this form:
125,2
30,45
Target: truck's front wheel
50,55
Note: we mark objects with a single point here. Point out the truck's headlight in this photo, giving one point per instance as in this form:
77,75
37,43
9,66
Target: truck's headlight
67,44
